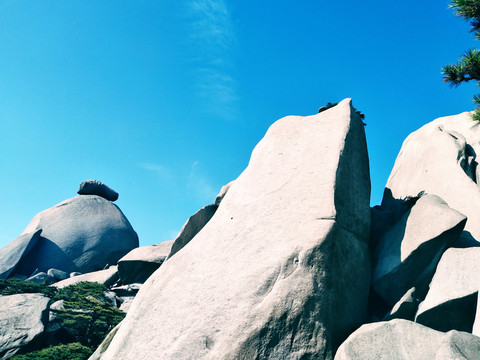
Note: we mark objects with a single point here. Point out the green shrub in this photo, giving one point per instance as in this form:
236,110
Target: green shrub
86,319
73,351
17,286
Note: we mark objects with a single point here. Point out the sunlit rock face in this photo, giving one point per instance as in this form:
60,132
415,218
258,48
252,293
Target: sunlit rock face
282,269
441,159
82,234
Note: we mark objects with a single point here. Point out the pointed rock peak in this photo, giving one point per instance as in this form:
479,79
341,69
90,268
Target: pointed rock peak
95,187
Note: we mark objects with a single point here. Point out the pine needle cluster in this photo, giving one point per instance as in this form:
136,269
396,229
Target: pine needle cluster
468,66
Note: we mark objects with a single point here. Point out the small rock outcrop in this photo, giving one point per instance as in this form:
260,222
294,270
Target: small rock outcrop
406,340
140,263
440,159
12,254
95,187
407,254
285,268
81,234
22,319
105,277
192,226
451,302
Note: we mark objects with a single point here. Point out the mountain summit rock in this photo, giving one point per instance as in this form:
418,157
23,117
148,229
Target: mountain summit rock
284,269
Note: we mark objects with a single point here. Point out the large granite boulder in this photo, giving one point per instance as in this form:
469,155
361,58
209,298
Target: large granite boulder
192,226
22,319
440,159
282,270
406,340
82,234
141,262
407,254
451,302
15,251
95,187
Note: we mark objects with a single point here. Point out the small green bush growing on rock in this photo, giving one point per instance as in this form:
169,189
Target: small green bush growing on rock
17,286
87,319
73,351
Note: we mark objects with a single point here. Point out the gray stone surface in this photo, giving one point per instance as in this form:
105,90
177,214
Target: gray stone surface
22,319
407,254
192,227
41,278
80,234
140,263
15,251
222,193
440,159
57,274
95,187
106,277
282,270
406,340
405,308
451,302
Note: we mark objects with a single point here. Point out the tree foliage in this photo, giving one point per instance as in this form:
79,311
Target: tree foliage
73,351
16,286
468,66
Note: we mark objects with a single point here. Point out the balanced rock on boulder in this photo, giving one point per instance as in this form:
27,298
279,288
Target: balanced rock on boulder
82,234
284,268
95,187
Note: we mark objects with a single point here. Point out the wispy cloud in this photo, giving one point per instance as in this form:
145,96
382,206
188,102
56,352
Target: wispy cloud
213,36
199,182
161,171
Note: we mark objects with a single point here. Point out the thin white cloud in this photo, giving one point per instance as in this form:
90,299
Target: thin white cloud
213,37
200,184
160,170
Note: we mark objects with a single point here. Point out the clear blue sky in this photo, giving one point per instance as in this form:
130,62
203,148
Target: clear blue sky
164,100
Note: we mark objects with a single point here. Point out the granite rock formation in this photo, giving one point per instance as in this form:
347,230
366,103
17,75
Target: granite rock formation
284,271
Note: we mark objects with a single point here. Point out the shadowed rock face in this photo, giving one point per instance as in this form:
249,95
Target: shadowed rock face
80,234
282,269
12,254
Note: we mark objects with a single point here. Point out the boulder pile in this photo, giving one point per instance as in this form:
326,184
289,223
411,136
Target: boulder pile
288,262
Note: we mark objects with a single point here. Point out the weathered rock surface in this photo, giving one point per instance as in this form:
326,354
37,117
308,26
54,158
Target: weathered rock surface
222,193
57,274
440,159
140,263
406,340
80,234
192,226
41,278
284,271
407,254
95,187
451,302
22,319
405,308
15,251
106,277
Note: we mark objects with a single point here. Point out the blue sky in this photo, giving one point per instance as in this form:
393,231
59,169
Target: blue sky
165,100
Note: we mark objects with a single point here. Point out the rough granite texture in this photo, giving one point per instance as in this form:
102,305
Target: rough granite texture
284,271
440,159
22,319
15,251
451,301
82,234
407,254
406,340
